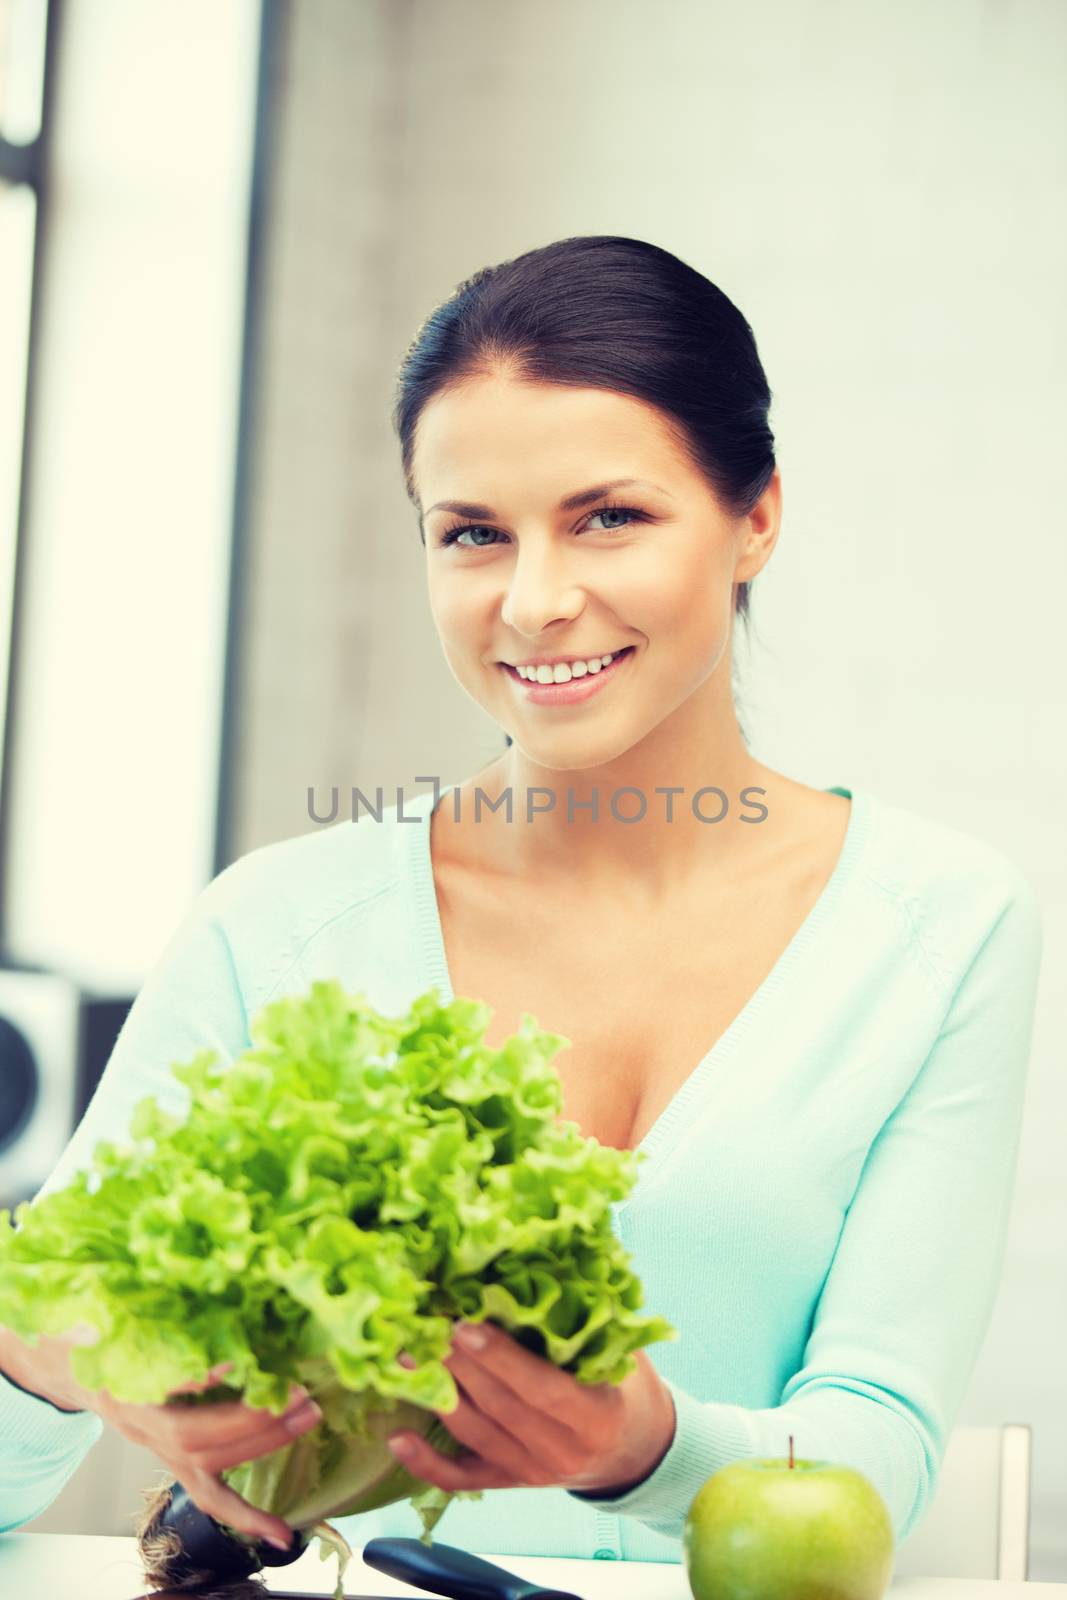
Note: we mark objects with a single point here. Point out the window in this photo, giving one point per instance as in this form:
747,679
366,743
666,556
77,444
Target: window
22,55
114,727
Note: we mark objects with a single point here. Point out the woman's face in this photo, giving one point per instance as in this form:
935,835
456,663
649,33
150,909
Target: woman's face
650,565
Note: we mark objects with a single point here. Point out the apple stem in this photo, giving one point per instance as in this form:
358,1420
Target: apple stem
790,1452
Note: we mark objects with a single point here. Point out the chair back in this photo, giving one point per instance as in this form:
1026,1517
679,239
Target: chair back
979,1523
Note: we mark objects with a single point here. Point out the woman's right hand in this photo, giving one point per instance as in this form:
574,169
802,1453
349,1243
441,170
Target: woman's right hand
195,1443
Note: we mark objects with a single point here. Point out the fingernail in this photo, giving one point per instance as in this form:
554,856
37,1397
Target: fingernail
305,1417
279,1544
297,1395
405,1360
402,1447
471,1336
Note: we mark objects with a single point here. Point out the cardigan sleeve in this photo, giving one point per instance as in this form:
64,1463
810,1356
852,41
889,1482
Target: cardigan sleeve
190,1000
906,1304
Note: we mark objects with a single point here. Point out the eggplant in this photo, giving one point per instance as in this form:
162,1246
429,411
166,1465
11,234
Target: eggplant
184,1548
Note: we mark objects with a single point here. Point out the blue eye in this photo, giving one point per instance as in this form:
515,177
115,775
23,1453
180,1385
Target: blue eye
451,535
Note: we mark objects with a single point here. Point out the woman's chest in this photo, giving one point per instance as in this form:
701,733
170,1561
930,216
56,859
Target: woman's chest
641,1006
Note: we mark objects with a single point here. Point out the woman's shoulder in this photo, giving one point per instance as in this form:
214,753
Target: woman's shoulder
951,885
911,846
282,892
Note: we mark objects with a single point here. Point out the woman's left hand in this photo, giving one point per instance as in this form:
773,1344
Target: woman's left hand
526,1422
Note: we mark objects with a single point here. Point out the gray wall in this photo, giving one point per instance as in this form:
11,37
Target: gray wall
342,680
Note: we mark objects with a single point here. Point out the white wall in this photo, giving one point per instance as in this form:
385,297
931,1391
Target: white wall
119,679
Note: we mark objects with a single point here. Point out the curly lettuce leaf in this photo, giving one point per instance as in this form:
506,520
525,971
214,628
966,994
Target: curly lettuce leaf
346,1189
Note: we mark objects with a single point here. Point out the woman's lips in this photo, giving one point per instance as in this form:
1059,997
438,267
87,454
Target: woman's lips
557,694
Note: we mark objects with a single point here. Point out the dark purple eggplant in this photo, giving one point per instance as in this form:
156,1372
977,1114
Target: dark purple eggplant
184,1548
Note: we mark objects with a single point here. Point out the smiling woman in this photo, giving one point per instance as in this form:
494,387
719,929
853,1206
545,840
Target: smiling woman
813,1032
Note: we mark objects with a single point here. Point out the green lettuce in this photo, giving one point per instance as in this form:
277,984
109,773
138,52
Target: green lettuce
345,1190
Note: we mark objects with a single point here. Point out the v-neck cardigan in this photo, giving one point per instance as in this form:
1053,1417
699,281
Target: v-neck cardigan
821,1210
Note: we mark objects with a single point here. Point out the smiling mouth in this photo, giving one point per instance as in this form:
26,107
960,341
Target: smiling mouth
534,683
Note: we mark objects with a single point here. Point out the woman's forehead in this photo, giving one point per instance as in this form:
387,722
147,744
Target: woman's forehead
470,439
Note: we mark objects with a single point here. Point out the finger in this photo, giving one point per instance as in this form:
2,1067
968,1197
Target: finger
195,1428
488,1392
227,1507
80,1333
195,1384
534,1379
247,1448
497,1447
527,1426
446,1472
523,1418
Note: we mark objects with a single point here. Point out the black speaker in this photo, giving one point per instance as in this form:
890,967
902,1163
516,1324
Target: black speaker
55,1040
102,1016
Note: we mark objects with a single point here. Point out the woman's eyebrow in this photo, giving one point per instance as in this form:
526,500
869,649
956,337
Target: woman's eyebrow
573,502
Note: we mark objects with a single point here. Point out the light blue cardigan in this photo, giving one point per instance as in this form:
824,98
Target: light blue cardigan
823,1206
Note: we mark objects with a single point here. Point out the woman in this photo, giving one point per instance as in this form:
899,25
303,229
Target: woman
808,1010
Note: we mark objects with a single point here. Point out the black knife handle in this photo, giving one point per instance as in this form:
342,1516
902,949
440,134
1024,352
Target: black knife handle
445,1569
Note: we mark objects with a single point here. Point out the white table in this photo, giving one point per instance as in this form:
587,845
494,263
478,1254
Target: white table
55,1566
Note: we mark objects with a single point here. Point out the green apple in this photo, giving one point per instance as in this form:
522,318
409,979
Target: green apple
780,1529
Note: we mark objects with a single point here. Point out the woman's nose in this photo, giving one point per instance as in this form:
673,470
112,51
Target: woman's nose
541,592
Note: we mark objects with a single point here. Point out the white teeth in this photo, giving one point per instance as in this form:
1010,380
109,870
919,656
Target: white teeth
562,672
